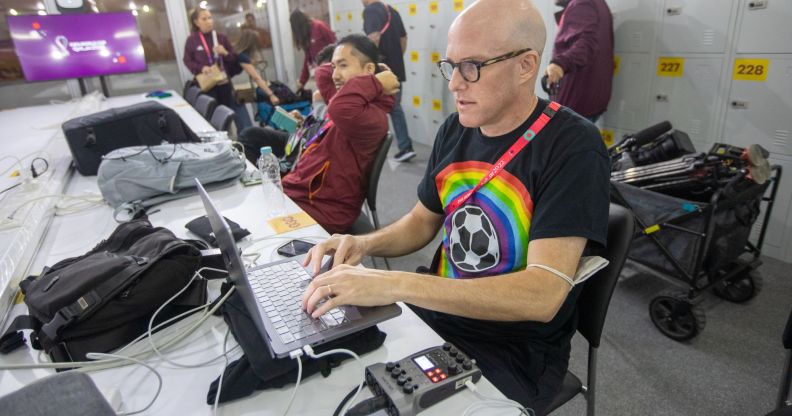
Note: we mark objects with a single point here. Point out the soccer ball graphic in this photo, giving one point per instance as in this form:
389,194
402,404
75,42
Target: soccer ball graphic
473,242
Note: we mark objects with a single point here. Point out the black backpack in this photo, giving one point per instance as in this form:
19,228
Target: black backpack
104,299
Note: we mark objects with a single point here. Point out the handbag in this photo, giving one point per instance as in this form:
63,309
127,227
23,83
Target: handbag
209,80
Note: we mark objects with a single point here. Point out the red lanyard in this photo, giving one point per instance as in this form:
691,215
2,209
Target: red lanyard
387,24
206,48
523,141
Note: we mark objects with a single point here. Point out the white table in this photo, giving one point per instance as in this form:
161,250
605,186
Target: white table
184,390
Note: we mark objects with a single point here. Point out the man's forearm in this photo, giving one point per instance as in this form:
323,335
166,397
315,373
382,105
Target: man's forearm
528,295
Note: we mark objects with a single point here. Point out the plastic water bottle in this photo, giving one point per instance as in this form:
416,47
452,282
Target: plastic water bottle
269,166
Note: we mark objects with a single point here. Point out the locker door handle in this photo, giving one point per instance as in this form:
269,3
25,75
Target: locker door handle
663,98
674,11
739,105
757,4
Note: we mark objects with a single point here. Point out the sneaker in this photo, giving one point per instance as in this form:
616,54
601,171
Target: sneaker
404,155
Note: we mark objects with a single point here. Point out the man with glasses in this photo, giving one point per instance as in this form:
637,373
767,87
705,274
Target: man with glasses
518,186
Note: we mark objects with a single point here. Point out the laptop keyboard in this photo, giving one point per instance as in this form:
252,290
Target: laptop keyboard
279,289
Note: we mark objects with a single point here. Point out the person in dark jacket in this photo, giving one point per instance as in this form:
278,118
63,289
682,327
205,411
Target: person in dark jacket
582,62
201,52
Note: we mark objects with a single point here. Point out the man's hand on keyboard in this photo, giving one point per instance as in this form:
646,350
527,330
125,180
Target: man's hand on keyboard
345,249
349,285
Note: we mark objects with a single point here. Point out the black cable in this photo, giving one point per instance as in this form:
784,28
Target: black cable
368,406
33,170
10,188
346,399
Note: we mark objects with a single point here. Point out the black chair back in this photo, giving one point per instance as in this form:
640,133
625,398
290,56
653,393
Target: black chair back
222,118
205,105
596,295
376,170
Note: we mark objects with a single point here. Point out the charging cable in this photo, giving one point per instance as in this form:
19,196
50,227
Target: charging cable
490,402
295,355
222,373
154,316
92,355
310,352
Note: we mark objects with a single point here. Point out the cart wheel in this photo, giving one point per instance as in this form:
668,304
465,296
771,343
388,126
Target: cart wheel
740,288
677,318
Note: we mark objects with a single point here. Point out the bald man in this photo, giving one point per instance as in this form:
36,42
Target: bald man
541,208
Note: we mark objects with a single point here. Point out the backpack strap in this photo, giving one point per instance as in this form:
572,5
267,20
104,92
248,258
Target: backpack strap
13,339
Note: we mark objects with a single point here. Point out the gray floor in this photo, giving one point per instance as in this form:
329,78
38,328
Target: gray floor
732,368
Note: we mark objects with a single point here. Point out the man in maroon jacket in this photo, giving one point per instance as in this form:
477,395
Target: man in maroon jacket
582,62
329,181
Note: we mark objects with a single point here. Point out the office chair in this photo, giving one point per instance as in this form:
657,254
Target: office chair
191,93
205,105
593,304
363,224
222,117
71,393
783,405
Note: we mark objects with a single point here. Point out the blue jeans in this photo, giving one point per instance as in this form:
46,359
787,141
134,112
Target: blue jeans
241,117
400,124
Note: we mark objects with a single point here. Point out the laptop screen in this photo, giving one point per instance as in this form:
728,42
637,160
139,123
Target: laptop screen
225,240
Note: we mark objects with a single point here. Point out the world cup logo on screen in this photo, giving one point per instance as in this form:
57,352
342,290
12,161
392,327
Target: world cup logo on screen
62,44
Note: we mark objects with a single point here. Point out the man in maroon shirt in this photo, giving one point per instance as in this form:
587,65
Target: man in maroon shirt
330,178
582,63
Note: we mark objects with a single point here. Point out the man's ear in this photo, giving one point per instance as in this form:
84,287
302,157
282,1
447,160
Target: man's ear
370,68
529,66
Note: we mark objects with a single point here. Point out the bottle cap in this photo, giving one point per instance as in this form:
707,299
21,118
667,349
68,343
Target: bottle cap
266,150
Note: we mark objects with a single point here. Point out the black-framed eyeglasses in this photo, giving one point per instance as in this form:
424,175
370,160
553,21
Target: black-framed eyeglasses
471,70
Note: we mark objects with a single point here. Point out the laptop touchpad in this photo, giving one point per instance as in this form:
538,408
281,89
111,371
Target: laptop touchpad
351,312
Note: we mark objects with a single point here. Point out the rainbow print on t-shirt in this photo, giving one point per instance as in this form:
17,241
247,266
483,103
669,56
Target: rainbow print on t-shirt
489,234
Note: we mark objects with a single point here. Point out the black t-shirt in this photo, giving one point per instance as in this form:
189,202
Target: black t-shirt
375,17
557,186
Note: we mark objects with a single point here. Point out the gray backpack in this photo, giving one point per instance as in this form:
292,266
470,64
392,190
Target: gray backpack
135,178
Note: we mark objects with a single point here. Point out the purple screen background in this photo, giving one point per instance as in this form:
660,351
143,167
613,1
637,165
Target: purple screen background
77,45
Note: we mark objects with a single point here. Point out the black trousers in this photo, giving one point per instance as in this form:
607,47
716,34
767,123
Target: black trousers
254,138
224,94
521,371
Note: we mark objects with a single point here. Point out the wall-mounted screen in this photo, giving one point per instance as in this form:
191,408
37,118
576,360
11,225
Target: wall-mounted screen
77,45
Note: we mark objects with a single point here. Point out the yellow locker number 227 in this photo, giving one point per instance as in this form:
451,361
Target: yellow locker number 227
670,67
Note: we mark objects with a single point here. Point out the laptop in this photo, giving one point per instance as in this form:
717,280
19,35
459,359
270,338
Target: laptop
272,294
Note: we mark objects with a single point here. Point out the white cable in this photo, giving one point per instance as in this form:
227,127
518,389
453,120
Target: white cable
295,355
222,373
112,363
310,352
490,402
15,159
91,355
154,316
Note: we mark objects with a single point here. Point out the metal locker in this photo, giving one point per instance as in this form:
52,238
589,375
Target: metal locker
415,109
759,110
695,26
414,16
690,101
765,27
634,24
628,105
415,68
